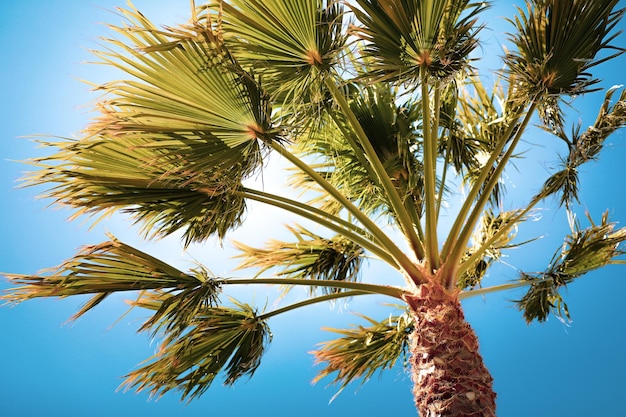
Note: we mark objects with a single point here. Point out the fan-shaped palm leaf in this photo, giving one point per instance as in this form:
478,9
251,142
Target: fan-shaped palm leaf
101,270
557,43
102,176
583,251
391,128
187,81
403,36
292,43
219,339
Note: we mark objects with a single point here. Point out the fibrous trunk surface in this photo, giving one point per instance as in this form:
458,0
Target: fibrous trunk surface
449,375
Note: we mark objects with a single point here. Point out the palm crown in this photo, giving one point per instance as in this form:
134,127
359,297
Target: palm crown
377,107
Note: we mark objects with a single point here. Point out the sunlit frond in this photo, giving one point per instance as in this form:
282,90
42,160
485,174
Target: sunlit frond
231,340
584,250
293,43
362,351
184,81
585,147
101,270
483,119
558,42
175,310
402,36
494,234
391,124
310,257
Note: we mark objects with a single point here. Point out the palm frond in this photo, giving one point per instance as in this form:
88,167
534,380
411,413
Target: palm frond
585,147
403,36
184,80
175,310
103,176
101,270
564,182
173,141
558,42
219,339
494,234
484,118
392,128
292,43
310,257
584,250
362,351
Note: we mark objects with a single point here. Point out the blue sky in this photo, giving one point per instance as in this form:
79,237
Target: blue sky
55,369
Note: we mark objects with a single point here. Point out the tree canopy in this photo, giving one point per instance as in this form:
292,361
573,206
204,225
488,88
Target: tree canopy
380,110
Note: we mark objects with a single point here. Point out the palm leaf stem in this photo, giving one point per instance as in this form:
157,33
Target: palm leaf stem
368,167
496,288
254,194
451,243
372,174
509,286
435,139
430,172
502,287
336,224
311,301
458,249
410,206
404,219
390,291
194,12
401,259
444,175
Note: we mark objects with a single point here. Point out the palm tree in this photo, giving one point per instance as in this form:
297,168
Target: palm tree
377,107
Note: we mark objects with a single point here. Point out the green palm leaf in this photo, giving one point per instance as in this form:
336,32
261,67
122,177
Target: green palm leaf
584,250
311,257
186,81
403,36
292,43
585,147
391,126
101,270
363,351
102,176
485,119
557,43
175,310
219,339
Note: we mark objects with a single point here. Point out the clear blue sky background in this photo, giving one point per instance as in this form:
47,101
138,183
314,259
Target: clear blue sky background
51,369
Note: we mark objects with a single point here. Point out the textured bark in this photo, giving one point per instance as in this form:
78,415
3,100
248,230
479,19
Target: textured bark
449,375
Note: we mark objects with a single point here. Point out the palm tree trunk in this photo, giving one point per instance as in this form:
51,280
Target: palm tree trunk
450,377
